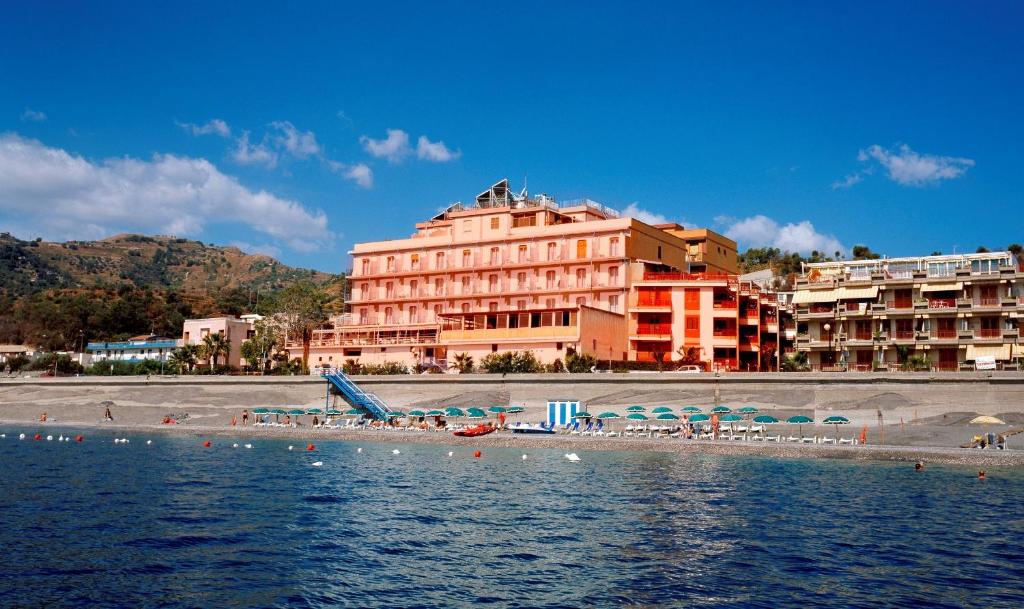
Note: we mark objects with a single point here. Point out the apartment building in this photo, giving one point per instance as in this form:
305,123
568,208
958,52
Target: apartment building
509,271
954,310
237,330
727,323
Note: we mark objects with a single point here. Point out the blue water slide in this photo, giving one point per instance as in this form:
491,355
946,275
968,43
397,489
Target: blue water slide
356,397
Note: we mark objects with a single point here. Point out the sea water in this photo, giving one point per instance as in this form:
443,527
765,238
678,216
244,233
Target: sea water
175,524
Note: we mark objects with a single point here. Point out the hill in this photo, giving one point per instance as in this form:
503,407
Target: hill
131,284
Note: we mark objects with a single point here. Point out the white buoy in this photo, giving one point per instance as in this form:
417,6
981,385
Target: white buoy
60,438
49,438
21,436
148,442
3,435
572,457
290,447
317,463
248,445
450,453
396,452
125,440
235,445
524,457
359,450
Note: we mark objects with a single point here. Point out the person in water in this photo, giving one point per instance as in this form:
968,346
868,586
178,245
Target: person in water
981,475
919,466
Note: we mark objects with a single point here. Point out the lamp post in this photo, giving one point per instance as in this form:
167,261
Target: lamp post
828,328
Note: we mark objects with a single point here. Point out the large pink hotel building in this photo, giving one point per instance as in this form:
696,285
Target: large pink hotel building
509,272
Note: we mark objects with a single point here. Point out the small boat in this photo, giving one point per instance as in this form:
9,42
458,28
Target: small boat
479,430
532,430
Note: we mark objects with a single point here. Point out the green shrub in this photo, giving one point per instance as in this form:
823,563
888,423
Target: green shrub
387,368
579,362
511,362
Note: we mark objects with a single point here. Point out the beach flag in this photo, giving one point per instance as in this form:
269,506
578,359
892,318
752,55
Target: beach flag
561,412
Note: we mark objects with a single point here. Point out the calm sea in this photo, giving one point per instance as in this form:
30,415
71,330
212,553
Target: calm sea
174,524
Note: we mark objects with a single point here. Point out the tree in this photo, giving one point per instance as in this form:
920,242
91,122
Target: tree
982,250
215,345
863,252
579,362
301,308
510,362
463,362
796,362
258,349
1015,248
690,356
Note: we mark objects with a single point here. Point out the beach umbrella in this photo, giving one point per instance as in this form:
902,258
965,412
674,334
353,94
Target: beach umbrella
635,409
514,409
497,409
355,412
396,414
475,413
314,411
261,411
296,411
333,411
730,418
667,416
800,420
987,420
583,415
454,412
608,415
720,409
435,413
691,409
636,416
699,418
661,409
278,411
747,410
417,413
837,421
765,419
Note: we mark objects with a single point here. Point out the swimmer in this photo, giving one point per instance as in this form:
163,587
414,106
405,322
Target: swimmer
981,475
919,466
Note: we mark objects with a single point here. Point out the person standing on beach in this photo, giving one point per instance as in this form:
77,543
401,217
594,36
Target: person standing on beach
714,425
107,416
245,417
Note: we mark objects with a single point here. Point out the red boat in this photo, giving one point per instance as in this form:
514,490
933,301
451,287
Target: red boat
479,430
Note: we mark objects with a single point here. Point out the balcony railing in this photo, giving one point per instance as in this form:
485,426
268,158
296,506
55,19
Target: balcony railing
653,329
942,303
651,301
987,302
988,332
861,336
903,334
726,304
899,304
944,333
728,333
818,309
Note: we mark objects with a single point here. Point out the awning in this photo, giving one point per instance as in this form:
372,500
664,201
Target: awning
996,351
1017,351
942,287
804,297
851,293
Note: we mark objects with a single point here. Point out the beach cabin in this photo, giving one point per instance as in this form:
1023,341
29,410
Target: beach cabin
561,412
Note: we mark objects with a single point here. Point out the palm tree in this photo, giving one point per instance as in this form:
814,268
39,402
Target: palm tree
184,357
215,345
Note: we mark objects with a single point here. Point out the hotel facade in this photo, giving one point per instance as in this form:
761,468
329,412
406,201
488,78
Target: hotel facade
511,272
955,311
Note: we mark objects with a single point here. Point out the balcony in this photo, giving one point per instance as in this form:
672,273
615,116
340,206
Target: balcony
654,329
988,333
945,334
861,337
942,304
903,335
562,333
726,304
899,305
988,303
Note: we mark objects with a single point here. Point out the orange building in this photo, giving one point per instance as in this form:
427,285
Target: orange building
508,272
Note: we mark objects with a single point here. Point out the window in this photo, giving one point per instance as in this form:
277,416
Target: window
414,260
613,275
467,226
467,258
693,326
412,315
389,290
581,300
549,303
438,287
495,256
659,252
465,307
613,246
494,348
439,260
363,317
465,285
521,305
388,315
581,278
552,251
613,303
366,266
412,287
437,312
521,281
492,283
581,248
549,278
522,254
559,346
391,264
492,307
495,222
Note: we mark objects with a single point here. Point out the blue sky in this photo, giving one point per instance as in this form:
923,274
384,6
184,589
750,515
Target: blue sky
300,130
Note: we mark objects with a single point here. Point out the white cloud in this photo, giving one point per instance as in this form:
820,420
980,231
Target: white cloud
394,148
214,126
359,173
254,154
848,182
435,151
265,249
635,211
300,145
62,195
761,231
32,116
908,168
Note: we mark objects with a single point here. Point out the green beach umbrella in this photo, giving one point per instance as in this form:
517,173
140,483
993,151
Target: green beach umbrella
583,415
296,411
720,409
261,411
661,409
691,409
355,412
608,415
514,409
837,421
731,418
435,413
333,411
396,414
475,413
765,419
747,410
636,416
667,416
800,420
278,411
314,411
496,409
454,412
635,409
417,413
699,418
